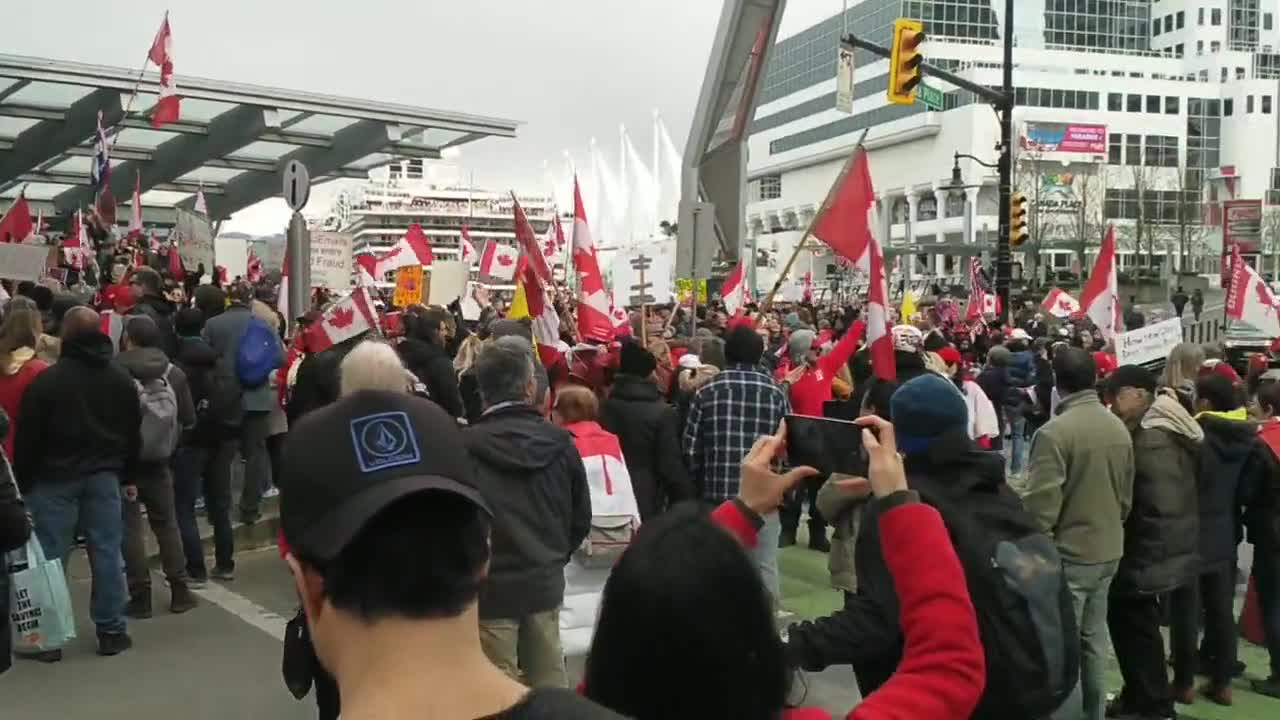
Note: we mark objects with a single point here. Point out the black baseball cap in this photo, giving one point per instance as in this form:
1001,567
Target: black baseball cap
345,463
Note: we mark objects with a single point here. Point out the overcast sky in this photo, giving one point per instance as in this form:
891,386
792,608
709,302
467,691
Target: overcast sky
569,69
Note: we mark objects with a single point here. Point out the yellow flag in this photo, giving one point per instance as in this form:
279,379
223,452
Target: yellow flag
519,303
908,305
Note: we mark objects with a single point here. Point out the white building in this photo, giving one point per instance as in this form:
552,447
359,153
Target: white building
1144,113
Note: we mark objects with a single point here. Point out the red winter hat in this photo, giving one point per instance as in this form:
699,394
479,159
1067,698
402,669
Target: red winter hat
1105,362
950,355
1218,367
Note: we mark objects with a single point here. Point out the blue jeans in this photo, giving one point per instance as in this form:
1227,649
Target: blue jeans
1090,585
94,501
1018,428
765,554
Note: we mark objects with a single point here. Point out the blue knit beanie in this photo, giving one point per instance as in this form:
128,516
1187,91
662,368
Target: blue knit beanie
923,409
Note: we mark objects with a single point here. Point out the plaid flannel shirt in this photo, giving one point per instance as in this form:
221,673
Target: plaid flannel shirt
725,418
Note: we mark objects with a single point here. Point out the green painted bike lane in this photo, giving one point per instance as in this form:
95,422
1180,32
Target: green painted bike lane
807,592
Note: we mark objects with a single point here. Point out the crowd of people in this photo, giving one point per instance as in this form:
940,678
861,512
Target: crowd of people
460,509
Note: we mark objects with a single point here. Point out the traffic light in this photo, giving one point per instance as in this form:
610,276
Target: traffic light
904,65
1017,219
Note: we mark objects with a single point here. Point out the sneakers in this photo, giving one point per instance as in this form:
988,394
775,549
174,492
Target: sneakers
113,643
139,607
223,574
183,600
197,583
1269,687
271,492
48,656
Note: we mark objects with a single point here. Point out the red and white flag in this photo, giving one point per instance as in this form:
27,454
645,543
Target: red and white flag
135,208
879,338
594,306
734,289
111,323
806,293
847,220
16,225
528,242
468,253
621,322
412,249
75,246
366,269
344,320
202,205
1059,304
982,302
175,263
1100,299
167,106
253,267
1249,299
556,227
499,261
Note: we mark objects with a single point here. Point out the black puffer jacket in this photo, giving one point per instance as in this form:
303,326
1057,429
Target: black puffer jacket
432,366
198,361
161,311
1162,531
646,429
1233,459
319,380
533,478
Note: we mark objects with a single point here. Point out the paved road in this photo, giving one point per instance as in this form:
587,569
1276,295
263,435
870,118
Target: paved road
219,662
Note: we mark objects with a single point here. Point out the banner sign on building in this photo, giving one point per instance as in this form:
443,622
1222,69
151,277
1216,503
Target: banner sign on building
844,78
1148,344
331,259
1065,138
1241,226
195,240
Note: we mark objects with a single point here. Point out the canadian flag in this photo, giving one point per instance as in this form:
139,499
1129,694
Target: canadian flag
76,244
528,242
594,307
175,263
413,249
879,339
469,254
1059,304
499,261
1249,299
366,269
847,220
111,323
1101,296
202,205
734,289
530,300
135,208
253,267
556,227
344,320
167,107
621,322
549,245
16,225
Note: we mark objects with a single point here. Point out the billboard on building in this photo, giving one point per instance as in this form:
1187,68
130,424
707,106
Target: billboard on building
1064,137
1241,226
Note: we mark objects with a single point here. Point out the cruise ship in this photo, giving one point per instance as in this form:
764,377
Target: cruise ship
378,212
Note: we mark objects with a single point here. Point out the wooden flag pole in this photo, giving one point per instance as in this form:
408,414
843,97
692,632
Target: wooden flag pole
826,203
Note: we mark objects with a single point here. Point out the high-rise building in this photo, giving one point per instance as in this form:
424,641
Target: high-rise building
1143,114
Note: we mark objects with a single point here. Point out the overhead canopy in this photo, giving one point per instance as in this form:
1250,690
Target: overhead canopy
232,139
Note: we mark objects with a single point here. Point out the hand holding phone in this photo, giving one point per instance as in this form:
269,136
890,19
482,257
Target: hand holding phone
759,487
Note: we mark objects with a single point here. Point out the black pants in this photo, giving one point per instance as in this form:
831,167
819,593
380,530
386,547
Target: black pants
1134,624
789,513
1210,598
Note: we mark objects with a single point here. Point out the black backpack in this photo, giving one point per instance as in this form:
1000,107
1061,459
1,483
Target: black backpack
222,406
1020,595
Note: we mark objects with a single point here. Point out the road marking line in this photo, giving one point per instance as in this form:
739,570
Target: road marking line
245,609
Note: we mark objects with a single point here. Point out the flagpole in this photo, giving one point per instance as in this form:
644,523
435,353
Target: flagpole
826,203
113,133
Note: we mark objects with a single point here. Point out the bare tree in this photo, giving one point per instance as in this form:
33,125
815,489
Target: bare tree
1029,180
1190,229
1091,218
1271,236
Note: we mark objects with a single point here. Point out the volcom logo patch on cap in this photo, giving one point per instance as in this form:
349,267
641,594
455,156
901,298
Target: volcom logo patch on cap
384,441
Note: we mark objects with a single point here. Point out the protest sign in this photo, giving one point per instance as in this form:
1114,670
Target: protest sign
23,262
448,280
195,239
331,264
684,287
1148,344
408,286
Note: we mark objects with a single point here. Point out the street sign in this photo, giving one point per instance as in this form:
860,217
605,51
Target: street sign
297,185
931,96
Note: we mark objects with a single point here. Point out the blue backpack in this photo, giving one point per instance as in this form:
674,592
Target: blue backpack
258,354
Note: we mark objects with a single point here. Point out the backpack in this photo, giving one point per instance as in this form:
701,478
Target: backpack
614,517
258,354
1025,614
160,428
